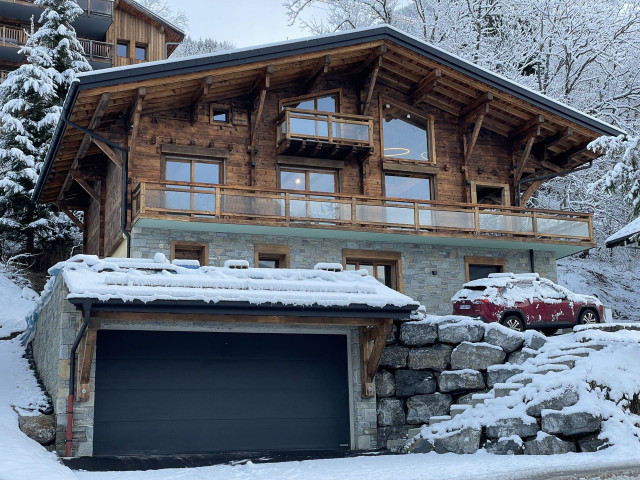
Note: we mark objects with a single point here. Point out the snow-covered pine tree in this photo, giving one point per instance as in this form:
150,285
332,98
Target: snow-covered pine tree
30,105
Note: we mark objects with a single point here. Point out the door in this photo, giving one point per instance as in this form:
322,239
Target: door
192,392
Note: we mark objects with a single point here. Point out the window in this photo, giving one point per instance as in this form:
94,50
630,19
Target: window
141,52
186,170
122,49
308,182
481,267
325,181
190,251
324,102
384,266
220,114
271,256
490,193
405,134
406,186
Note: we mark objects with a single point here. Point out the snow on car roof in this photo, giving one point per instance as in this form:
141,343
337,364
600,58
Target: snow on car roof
147,280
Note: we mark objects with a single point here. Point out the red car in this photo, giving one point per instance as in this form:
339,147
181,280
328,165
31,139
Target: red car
522,301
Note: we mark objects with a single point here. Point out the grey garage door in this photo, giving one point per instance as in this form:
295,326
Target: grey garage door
188,392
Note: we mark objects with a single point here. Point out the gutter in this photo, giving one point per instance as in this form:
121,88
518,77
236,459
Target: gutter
86,310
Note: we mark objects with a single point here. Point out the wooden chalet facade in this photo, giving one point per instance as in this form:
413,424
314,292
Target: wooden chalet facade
367,147
112,33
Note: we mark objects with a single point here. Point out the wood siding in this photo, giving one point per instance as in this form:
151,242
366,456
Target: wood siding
137,31
113,203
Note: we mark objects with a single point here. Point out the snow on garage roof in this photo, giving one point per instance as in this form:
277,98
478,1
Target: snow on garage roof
623,236
122,280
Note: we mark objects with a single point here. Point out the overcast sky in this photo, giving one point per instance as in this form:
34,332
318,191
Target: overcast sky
243,22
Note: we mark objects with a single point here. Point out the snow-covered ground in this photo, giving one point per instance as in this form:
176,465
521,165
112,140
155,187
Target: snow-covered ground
617,284
24,459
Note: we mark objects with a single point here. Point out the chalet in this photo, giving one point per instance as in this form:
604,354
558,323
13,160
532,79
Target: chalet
112,33
368,148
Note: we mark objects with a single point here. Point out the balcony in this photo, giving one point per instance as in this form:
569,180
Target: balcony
312,133
11,39
99,54
354,216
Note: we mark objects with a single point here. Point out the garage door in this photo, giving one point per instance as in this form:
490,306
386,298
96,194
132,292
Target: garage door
187,392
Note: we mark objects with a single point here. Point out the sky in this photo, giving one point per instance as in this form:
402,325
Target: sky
243,22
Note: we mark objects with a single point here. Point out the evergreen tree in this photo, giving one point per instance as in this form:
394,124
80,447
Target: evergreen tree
30,107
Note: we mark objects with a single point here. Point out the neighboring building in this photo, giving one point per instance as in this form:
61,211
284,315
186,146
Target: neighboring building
111,33
629,235
368,148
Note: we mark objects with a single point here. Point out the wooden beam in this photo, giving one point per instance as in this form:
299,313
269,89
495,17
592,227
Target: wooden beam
111,155
87,188
470,143
371,58
319,71
425,85
372,343
531,128
260,88
553,140
73,218
369,83
196,100
551,166
263,82
85,356
478,103
530,191
134,117
96,118
562,159
523,159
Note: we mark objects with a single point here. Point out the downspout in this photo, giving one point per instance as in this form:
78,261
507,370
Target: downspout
125,173
86,310
532,260
551,175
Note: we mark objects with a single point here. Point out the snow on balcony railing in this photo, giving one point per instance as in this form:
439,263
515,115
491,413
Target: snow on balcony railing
217,203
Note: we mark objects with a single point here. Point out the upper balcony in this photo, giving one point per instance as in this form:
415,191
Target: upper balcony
223,208
99,54
94,22
11,39
313,133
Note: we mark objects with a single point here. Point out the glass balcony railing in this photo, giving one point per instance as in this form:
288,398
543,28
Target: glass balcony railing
204,202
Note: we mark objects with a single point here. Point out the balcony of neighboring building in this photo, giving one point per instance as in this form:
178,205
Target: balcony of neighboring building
12,37
99,54
94,22
199,206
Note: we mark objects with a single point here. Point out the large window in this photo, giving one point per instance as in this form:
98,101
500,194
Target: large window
384,266
409,187
310,203
308,180
405,135
186,170
323,102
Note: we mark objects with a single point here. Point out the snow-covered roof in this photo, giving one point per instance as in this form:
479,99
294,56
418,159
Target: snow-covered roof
123,280
624,234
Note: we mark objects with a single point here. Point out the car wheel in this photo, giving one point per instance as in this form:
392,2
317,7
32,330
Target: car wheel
549,331
588,317
513,322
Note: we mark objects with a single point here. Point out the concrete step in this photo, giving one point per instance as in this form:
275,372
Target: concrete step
457,409
551,368
439,419
573,353
478,398
504,389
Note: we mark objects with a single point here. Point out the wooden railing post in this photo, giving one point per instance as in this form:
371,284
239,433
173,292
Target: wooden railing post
476,219
416,216
217,206
354,209
330,127
534,223
287,206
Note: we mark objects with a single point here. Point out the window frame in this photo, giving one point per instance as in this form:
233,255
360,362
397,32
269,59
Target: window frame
213,107
308,169
506,192
315,96
201,247
281,253
398,173
127,45
192,160
430,132
377,257
486,261
145,48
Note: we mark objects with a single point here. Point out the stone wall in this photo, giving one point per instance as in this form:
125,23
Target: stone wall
419,260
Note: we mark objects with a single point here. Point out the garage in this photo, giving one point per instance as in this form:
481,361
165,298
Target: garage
169,392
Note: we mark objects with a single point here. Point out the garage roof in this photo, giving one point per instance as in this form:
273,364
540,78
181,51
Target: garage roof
156,281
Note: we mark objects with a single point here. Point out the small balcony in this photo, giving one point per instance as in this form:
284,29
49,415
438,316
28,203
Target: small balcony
311,133
397,219
99,54
11,39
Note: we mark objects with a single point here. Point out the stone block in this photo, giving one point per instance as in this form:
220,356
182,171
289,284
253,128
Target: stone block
569,424
535,340
456,333
548,445
504,338
410,382
464,441
391,338
422,407
41,428
421,445
506,427
557,400
461,380
390,412
394,357
394,432
476,356
501,374
506,446
418,334
385,384
520,356
437,357
592,443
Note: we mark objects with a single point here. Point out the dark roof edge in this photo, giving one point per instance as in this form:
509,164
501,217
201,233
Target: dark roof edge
246,308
